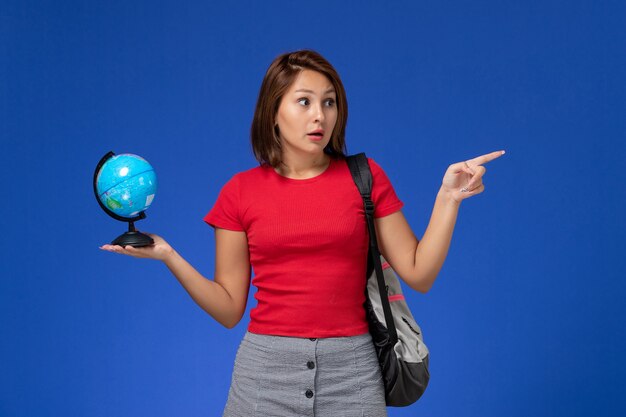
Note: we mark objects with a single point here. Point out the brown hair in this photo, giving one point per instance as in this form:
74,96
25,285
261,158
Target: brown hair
279,77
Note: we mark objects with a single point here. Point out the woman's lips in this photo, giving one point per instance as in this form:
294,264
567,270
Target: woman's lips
316,134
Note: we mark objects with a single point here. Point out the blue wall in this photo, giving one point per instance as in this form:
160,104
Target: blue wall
527,315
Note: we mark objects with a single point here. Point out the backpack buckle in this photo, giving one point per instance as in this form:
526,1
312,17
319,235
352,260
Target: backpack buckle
369,206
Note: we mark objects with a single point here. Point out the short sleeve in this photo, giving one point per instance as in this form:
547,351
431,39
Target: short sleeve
225,212
385,200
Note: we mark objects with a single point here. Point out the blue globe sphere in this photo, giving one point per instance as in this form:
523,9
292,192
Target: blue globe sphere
126,185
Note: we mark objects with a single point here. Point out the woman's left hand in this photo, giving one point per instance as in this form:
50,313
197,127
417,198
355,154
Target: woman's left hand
465,179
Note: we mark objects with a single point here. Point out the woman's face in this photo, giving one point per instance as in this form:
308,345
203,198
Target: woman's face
307,114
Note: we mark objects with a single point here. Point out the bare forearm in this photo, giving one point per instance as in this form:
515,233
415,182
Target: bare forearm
433,248
208,294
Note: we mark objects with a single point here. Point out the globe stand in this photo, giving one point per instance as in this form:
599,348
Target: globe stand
133,238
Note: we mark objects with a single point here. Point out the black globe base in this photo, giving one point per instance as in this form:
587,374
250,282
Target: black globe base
134,239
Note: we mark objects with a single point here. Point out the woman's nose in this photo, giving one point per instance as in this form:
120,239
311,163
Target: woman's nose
319,113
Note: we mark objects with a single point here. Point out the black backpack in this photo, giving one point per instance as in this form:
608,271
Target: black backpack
399,343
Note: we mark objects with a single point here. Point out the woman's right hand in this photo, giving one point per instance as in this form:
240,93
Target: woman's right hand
159,250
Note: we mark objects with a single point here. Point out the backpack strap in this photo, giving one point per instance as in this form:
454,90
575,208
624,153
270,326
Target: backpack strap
362,176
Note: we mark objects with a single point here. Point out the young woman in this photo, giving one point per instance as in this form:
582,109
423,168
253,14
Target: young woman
298,220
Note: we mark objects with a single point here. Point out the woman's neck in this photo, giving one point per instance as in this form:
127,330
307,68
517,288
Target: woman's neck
302,168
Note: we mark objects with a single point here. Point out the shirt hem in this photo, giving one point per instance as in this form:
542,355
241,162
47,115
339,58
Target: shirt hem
221,225
388,210
313,334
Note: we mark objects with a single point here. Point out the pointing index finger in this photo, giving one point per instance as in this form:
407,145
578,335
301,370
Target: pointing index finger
483,159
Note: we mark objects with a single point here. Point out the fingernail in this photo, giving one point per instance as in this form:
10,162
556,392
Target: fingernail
503,152
463,190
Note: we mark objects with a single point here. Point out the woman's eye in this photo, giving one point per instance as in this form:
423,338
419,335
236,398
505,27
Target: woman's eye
330,102
304,101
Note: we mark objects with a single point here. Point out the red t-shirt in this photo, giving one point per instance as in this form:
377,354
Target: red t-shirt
308,244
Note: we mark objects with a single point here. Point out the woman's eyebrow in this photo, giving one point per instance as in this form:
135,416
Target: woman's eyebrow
304,90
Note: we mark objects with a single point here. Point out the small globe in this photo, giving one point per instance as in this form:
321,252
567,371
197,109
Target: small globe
126,185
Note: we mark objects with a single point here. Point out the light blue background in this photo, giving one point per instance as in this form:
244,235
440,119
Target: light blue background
527,315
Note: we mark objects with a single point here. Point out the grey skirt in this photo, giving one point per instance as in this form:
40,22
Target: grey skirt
288,376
